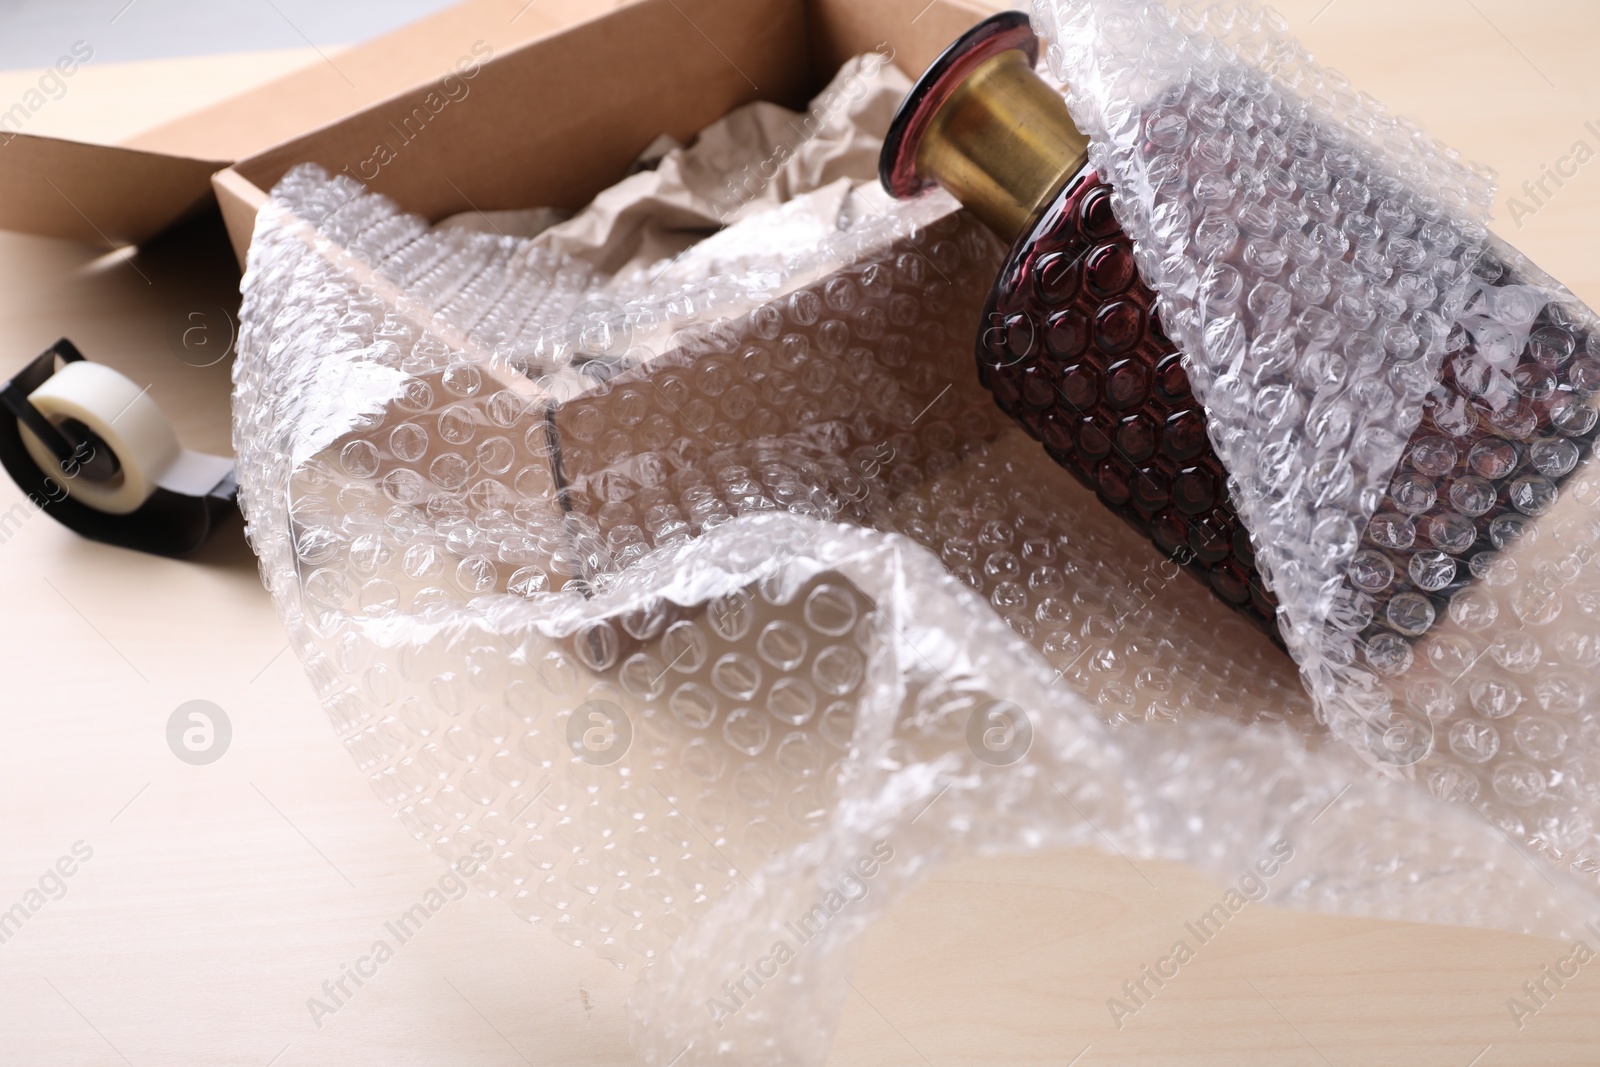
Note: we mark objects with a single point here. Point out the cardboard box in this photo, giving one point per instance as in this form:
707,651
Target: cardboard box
681,78
556,120
558,117
127,194
498,104
563,105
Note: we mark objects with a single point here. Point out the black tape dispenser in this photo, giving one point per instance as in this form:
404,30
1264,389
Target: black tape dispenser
93,450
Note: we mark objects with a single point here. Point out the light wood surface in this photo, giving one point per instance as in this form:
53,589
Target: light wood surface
110,103
219,898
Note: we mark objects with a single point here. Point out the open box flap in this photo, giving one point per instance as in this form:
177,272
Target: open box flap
351,79
101,194
118,195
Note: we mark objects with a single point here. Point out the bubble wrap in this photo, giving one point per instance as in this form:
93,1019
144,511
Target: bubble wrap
723,607
1404,403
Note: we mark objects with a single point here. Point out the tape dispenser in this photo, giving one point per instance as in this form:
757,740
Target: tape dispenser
91,448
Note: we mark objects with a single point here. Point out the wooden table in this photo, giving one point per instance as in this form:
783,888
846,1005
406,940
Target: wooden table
219,898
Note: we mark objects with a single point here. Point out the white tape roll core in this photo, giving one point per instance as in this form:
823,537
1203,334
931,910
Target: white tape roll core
124,417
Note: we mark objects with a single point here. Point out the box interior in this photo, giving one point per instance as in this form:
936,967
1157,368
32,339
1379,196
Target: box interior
556,120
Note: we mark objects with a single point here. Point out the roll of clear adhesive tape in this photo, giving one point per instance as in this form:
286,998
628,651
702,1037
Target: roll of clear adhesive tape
123,416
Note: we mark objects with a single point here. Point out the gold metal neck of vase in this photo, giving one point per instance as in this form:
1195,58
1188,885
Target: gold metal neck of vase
1003,144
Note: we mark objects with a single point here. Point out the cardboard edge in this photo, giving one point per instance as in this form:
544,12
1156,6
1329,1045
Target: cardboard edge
487,17
239,200
58,187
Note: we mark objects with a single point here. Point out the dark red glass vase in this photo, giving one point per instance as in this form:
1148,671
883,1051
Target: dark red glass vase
1075,353
1074,350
